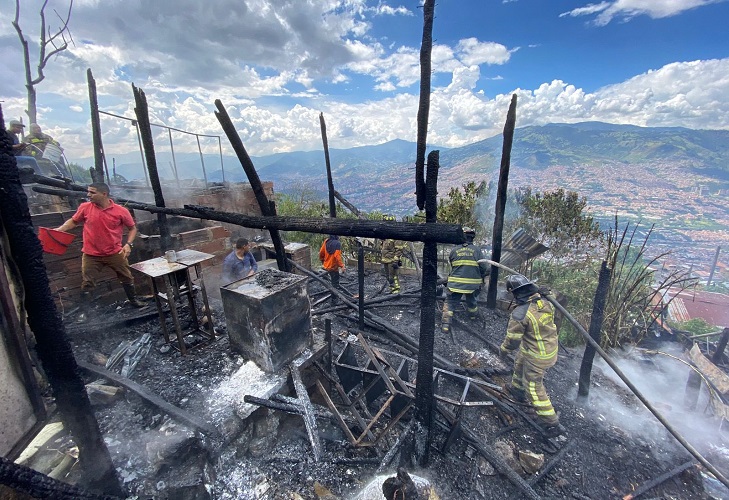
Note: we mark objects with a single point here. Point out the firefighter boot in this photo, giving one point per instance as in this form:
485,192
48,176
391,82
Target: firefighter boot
133,301
445,322
473,313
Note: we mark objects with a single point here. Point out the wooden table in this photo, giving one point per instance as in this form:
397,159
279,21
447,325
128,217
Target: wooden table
172,282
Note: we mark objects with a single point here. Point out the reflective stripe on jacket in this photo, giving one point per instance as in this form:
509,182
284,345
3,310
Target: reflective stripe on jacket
466,274
392,250
536,332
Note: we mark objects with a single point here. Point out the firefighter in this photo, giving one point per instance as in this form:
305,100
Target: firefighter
531,330
38,141
465,278
392,251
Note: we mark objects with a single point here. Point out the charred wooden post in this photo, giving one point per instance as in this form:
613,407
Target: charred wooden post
347,204
405,231
330,182
253,180
53,347
424,105
145,129
361,280
97,173
501,202
424,389
598,314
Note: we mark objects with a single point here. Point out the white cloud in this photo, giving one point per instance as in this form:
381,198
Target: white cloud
471,51
296,59
627,9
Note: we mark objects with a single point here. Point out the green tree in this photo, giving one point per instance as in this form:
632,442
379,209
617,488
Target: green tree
559,220
459,207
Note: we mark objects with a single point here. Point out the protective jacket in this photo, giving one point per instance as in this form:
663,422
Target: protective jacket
532,325
466,274
40,143
392,250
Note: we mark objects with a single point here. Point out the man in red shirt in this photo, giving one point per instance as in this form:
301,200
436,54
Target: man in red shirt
104,222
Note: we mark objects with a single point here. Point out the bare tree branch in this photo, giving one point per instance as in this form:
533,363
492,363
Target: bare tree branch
47,38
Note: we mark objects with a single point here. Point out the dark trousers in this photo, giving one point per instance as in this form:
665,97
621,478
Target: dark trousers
92,266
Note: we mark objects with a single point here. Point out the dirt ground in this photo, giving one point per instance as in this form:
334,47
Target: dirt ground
613,444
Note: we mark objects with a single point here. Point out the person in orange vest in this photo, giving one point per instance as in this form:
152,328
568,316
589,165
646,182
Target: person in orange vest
330,255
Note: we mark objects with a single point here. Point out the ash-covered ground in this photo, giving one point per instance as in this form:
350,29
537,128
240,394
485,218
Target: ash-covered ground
614,444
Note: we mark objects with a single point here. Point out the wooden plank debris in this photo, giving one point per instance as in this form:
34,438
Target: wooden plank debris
146,394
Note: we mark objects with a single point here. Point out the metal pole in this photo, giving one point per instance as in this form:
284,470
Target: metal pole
141,152
174,162
222,166
205,174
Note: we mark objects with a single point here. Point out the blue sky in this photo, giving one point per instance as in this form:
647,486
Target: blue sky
276,64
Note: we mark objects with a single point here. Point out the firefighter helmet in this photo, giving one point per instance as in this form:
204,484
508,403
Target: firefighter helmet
520,285
469,233
388,218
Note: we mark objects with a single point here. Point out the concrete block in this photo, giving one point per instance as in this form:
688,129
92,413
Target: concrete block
268,316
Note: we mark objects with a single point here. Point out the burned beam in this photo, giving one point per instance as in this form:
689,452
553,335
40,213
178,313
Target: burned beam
330,181
424,401
501,193
145,129
268,207
144,393
405,231
347,204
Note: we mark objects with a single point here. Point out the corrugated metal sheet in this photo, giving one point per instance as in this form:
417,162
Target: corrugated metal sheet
519,248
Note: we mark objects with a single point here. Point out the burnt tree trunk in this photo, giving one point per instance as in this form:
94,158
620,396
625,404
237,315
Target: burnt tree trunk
330,182
145,129
267,210
424,105
424,404
405,231
598,314
97,173
53,347
497,238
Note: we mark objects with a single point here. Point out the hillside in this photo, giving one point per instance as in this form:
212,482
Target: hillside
637,170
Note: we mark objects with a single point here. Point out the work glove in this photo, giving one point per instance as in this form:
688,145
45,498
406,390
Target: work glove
395,265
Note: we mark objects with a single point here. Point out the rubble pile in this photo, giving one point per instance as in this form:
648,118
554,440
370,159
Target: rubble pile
261,452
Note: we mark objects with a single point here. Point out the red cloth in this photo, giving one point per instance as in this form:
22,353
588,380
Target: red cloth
103,228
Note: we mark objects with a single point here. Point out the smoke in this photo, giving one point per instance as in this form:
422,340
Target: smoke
662,380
